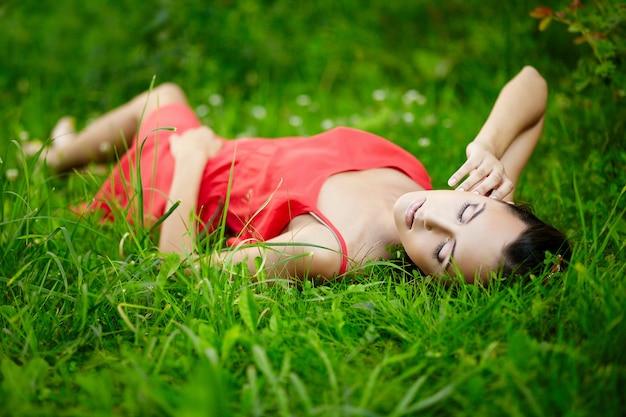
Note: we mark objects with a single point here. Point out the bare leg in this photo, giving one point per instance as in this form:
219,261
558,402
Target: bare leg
110,134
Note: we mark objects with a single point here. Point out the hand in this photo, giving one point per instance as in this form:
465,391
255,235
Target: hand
485,173
199,142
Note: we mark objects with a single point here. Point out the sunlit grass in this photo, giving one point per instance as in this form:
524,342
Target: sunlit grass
94,321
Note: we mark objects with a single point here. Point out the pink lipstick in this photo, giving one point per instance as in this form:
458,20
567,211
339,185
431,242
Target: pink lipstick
409,217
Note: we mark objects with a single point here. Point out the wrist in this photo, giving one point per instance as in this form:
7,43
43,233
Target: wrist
489,138
190,158
483,143
188,171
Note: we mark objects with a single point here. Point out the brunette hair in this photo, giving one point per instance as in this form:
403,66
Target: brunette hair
527,254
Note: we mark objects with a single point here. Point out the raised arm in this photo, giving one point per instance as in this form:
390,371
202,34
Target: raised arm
500,151
191,151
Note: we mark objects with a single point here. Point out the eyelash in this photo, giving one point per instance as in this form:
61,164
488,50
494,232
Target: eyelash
442,244
437,250
462,210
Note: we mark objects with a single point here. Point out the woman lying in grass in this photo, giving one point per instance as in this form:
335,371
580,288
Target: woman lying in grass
326,204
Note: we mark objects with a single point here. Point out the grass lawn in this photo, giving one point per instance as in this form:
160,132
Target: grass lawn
94,321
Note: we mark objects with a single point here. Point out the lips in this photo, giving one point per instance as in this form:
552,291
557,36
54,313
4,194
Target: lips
409,217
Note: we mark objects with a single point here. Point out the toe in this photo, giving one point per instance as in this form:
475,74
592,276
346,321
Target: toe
64,131
32,147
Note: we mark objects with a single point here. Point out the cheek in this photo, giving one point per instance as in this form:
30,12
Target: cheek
419,255
476,265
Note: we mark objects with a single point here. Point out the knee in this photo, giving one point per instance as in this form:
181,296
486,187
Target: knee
169,93
159,96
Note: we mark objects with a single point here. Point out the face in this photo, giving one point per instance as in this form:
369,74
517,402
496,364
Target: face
445,231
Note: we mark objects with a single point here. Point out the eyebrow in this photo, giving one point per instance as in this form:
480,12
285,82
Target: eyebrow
476,214
450,258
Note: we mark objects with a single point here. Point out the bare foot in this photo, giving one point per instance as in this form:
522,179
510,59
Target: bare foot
63,132
32,147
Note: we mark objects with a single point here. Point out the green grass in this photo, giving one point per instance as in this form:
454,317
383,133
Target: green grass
95,322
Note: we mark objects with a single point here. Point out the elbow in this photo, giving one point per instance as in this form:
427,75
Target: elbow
537,80
536,85
532,72
324,265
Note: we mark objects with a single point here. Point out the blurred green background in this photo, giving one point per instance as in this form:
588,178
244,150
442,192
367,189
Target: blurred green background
81,57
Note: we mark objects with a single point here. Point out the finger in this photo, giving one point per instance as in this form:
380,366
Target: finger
472,189
464,170
492,181
476,177
503,190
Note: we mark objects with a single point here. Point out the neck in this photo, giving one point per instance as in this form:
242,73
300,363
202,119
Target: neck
389,229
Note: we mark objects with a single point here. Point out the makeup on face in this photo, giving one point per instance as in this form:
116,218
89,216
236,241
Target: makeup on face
448,231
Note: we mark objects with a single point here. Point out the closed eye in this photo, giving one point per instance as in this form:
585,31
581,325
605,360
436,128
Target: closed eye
438,249
438,253
462,211
468,212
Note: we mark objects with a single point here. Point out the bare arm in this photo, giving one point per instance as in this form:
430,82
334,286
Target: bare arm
498,154
191,151
306,250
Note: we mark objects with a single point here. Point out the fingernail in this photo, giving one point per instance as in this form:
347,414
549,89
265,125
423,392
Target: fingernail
460,189
451,181
493,196
476,192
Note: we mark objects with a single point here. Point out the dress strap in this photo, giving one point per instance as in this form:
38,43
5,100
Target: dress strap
342,243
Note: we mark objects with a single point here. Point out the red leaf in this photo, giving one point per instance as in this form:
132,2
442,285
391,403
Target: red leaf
576,4
597,36
541,12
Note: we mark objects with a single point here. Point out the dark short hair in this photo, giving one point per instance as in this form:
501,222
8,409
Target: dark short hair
527,254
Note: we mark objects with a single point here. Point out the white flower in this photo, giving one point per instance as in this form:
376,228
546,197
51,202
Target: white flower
295,121
259,112
216,100
408,117
413,96
423,142
327,124
303,100
11,174
202,110
379,95
23,135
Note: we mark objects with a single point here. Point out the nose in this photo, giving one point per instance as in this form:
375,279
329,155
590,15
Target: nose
438,222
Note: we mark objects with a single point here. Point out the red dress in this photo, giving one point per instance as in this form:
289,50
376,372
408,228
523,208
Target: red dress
268,181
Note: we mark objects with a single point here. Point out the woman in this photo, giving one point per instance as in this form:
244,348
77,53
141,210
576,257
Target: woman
329,203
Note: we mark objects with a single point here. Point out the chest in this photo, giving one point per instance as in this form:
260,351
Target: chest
360,205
